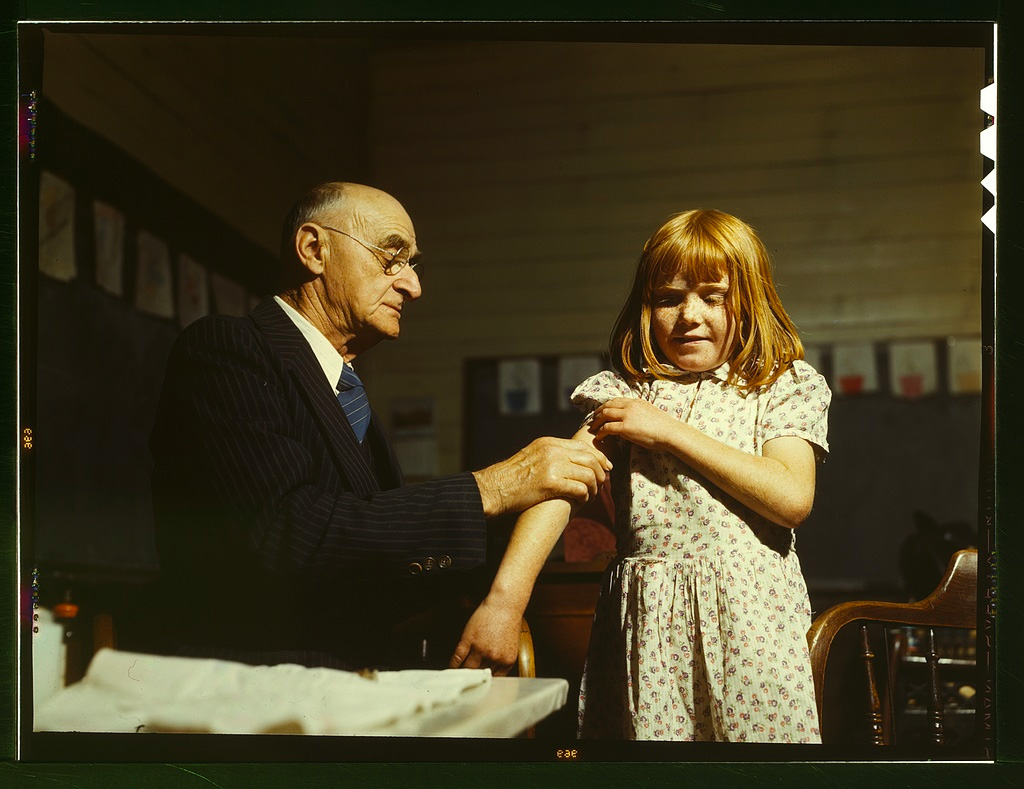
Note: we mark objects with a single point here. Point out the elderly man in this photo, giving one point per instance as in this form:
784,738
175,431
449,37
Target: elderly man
284,531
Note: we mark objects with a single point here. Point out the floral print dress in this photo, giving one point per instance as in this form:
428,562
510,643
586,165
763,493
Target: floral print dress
700,628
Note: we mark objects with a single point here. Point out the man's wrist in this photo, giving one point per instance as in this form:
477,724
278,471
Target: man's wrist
490,495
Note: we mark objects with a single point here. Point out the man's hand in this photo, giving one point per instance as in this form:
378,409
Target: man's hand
490,638
547,468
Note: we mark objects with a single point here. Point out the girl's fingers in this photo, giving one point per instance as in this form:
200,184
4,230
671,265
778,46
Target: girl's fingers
461,651
607,412
609,429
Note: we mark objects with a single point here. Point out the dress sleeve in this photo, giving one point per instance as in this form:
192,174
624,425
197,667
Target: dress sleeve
797,406
599,389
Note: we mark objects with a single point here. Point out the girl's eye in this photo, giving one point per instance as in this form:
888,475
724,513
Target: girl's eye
715,300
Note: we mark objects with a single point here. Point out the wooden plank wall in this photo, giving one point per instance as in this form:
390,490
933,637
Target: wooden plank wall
535,171
244,124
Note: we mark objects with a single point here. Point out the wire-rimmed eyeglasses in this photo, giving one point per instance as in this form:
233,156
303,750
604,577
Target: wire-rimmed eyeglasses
393,262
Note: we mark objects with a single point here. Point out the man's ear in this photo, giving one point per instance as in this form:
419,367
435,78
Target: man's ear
309,248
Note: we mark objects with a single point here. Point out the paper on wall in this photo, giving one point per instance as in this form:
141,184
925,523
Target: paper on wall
965,367
56,228
414,435
519,386
153,289
109,227
229,298
912,369
853,368
572,371
193,290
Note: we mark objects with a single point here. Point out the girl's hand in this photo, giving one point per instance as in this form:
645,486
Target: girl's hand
490,638
636,421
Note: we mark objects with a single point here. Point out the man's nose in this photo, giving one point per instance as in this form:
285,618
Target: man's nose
408,282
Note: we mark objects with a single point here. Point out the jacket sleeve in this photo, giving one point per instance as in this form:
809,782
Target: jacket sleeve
241,466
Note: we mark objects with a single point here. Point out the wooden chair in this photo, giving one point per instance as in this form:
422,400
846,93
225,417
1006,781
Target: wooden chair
952,604
525,665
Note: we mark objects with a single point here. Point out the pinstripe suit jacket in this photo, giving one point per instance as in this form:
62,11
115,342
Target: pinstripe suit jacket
280,538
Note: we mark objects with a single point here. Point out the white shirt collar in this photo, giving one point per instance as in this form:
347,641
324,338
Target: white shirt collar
328,356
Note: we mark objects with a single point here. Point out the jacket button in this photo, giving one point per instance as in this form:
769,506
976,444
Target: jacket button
415,568
429,563
445,561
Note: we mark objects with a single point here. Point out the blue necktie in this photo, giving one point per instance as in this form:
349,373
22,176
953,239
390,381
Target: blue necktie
352,397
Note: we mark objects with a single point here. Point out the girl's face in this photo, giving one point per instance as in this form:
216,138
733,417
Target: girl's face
692,324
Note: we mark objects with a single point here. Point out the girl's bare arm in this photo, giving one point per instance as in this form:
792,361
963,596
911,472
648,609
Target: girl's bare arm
778,485
491,637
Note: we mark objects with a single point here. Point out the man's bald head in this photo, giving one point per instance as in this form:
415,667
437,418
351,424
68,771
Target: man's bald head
316,202
332,199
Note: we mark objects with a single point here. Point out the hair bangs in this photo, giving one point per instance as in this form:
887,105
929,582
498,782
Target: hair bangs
695,256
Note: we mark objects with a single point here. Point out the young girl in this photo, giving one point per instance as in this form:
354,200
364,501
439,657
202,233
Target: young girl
714,423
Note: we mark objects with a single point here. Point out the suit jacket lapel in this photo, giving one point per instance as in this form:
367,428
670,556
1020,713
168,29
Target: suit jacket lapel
292,348
389,472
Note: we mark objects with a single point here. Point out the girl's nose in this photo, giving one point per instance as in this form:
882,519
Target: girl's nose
689,310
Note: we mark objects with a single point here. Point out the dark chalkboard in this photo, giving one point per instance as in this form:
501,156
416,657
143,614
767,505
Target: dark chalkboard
92,364
99,368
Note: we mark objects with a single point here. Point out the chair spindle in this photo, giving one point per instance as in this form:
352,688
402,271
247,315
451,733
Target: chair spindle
874,706
953,603
935,708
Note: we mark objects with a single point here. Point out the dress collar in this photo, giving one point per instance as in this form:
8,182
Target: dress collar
721,373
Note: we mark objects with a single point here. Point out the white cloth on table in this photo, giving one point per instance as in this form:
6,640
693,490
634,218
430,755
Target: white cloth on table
129,692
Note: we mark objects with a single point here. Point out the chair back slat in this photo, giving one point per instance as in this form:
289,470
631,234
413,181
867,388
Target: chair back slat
895,648
936,712
954,604
874,706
